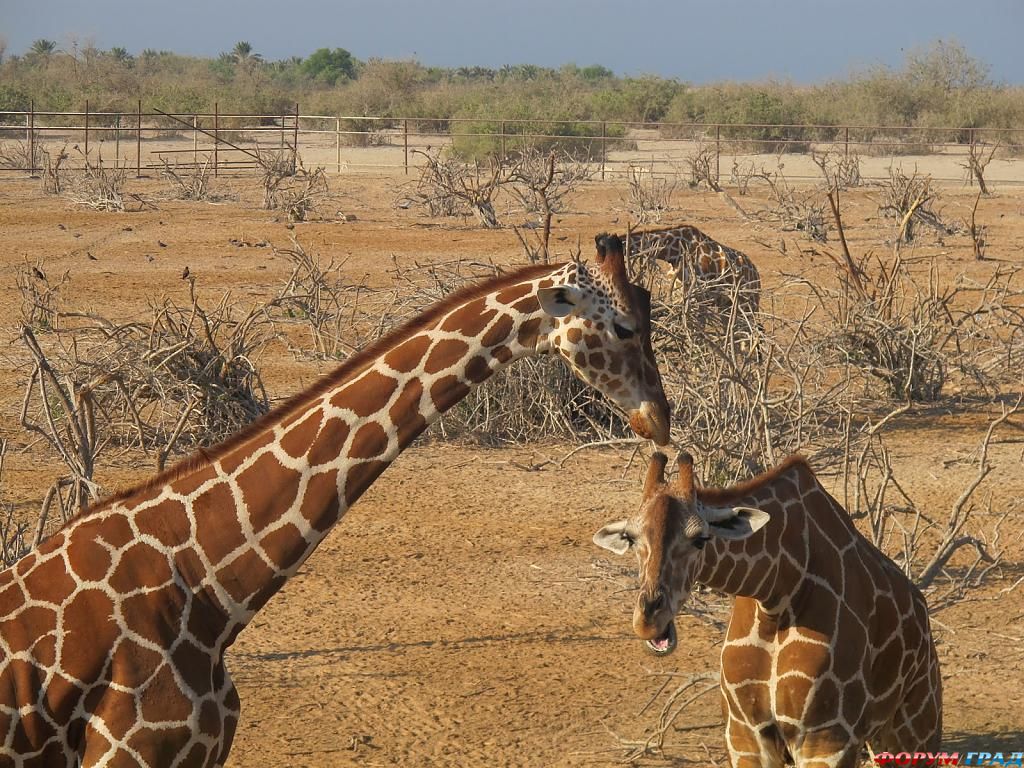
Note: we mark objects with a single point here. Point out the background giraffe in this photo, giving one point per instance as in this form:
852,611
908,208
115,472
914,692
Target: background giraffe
113,632
727,273
829,644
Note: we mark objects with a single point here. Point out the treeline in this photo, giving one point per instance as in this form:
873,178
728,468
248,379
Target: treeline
940,85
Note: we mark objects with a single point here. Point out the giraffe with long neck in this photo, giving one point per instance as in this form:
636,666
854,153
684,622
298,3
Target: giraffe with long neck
727,274
113,632
829,645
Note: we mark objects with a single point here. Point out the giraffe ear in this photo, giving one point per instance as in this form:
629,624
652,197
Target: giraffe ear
559,300
616,537
734,523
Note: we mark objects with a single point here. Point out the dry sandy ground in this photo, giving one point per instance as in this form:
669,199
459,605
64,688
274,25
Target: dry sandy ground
459,615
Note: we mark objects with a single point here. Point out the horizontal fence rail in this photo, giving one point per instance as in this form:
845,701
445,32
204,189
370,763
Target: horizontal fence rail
233,143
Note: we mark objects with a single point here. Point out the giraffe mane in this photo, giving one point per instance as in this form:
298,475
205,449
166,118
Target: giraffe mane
735,493
354,364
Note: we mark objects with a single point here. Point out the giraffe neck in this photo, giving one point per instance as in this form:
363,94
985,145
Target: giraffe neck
772,566
243,520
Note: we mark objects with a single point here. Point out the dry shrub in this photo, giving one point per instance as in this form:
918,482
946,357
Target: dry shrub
795,209
542,182
316,296
744,174
98,186
41,300
450,187
650,195
190,182
840,170
186,378
15,541
20,155
702,164
924,543
748,388
291,187
976,163
909,200
54,174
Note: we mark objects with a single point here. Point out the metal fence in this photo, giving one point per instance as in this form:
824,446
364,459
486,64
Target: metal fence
147,140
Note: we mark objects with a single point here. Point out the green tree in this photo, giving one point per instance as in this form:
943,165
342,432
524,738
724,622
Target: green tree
244,55
327,66
946,66
42,51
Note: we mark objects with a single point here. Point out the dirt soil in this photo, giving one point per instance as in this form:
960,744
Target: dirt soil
459,614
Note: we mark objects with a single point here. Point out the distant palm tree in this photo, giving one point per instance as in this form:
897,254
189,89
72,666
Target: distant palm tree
121,55
243,54
43,47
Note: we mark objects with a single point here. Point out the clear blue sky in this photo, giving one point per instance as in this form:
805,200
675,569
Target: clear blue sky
801,40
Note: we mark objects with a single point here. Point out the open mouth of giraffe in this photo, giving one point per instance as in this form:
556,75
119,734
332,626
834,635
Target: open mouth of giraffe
664,643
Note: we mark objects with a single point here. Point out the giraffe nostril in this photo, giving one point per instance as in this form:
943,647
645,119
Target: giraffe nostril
652,605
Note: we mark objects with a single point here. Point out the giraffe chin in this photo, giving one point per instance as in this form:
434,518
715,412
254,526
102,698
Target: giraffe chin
665,643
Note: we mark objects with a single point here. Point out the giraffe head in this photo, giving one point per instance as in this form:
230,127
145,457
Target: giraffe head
668,534
602,327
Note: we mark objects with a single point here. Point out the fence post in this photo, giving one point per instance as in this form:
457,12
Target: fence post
216,137
86,133
295,150
846,142
502,133
604,146
718,153
195,140
972,150
337,143
117,140
138,144
30,124
405,140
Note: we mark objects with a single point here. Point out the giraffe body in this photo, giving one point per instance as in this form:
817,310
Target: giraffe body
829,645
729,275
113,632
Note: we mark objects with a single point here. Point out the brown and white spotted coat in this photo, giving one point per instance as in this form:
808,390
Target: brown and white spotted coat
829,644
693,256
113,632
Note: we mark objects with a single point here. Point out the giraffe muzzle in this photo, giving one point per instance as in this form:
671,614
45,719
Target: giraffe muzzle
665,643
651,420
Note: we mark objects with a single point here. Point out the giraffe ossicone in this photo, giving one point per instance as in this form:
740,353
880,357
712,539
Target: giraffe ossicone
113,631
829,645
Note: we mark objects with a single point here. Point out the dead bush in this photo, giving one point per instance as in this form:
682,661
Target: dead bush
702,164
41,300
449,187
98,186
316,296
650,195
191,182
15,537
20,155
908,200
291,187
186,378
976,163
926,543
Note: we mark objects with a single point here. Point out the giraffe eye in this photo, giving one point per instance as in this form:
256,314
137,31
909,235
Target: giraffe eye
623,332
700,541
